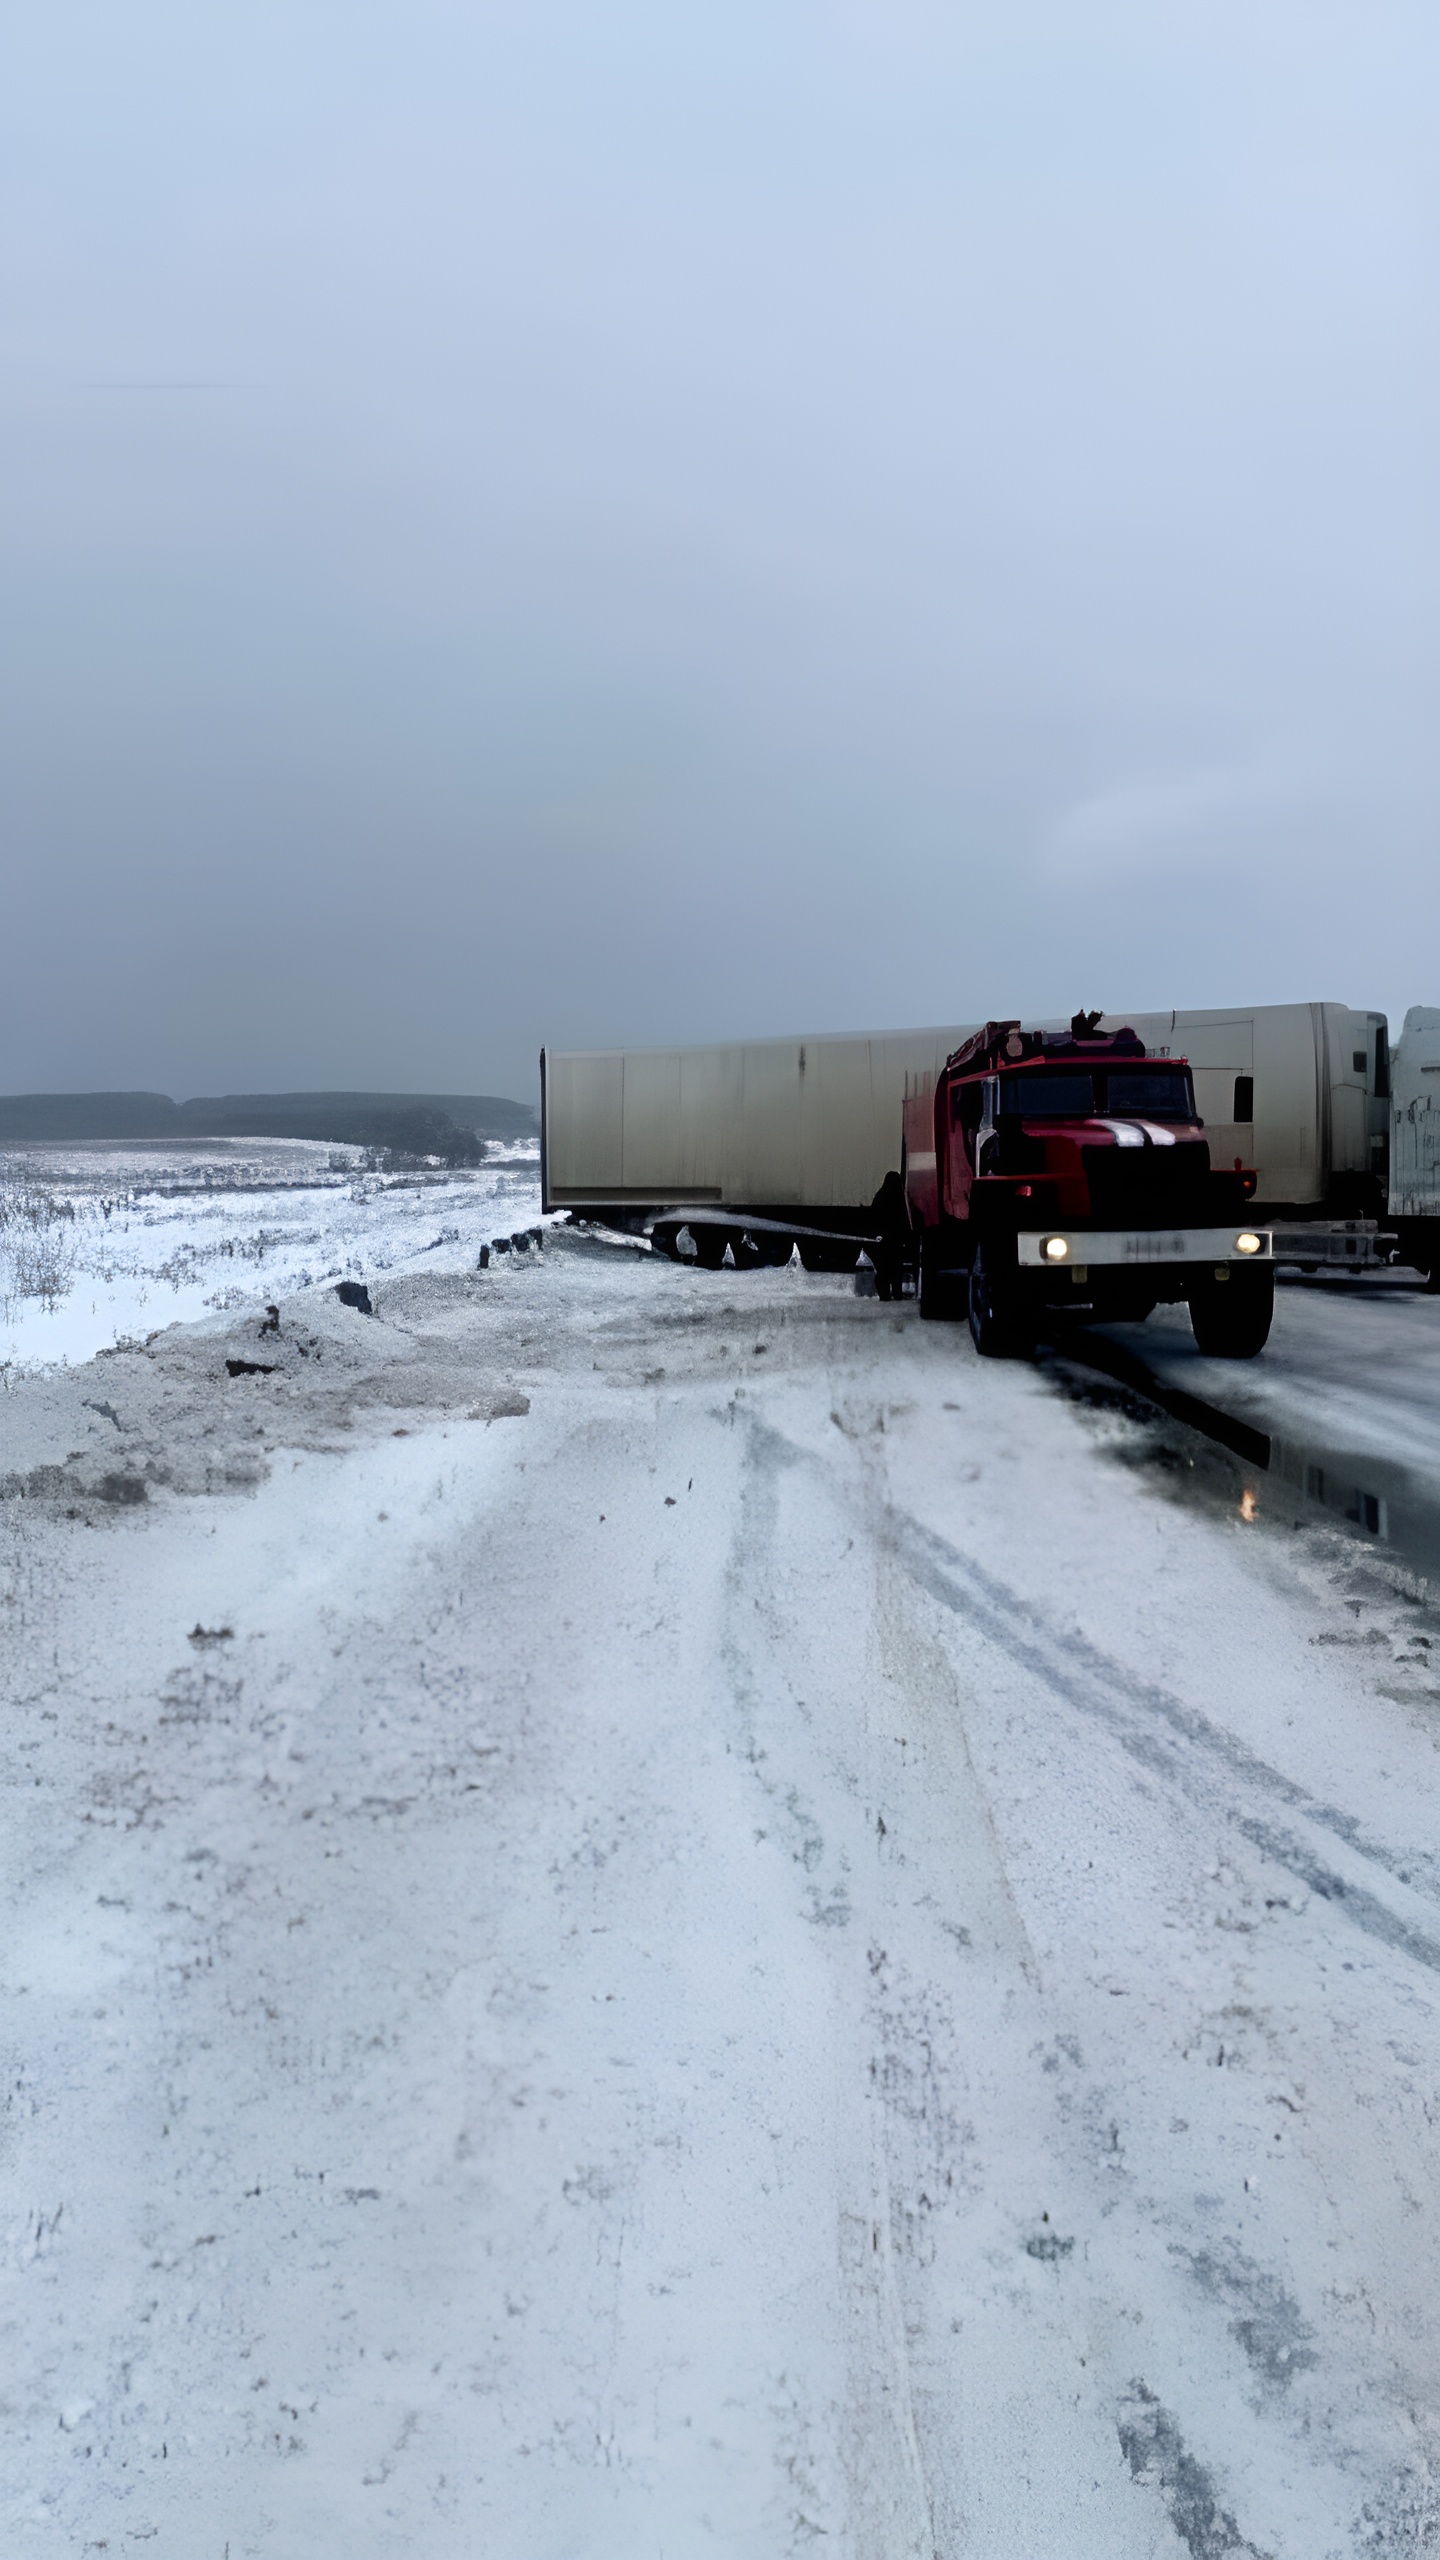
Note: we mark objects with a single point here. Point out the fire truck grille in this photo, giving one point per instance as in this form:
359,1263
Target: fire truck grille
1156,1186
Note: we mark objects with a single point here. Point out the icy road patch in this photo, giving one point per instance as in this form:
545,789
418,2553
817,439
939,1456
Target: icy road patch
652,1913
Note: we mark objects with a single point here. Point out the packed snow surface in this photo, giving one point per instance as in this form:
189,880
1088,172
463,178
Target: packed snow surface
651,1912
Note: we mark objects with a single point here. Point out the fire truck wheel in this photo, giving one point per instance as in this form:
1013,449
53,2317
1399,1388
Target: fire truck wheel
1231,1318
942,1293
994,1316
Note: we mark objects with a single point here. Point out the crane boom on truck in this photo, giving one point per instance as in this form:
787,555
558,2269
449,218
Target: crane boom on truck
1047,1170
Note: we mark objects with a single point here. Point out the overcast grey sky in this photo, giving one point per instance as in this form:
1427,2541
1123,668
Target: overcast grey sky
626,522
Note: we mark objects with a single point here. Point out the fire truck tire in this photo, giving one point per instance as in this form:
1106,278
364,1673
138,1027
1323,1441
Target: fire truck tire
1231,1318
941,1292
995,1325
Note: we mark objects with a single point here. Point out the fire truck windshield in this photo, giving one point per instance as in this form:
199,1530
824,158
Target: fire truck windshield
1051,1093
1149,1092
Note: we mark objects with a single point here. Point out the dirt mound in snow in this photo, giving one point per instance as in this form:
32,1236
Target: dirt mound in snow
205,1409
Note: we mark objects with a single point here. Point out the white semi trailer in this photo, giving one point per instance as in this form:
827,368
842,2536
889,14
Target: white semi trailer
779,1139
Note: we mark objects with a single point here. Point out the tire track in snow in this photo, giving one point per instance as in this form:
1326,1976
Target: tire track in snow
889,2499
1150,2437
1174,1741
922,2482
1155,1726
1179,2464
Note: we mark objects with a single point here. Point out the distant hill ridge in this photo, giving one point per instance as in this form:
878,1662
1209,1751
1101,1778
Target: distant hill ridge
419,1123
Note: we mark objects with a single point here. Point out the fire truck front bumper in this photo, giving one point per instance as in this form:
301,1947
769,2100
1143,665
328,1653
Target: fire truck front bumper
1075,1249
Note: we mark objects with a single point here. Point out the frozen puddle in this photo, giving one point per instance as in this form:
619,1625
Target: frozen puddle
1380,1497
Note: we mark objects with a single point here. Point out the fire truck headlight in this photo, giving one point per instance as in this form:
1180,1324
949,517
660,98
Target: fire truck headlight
1055,1249
1247,1243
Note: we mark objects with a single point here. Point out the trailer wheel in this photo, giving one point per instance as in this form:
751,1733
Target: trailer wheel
994,1315
1231,1318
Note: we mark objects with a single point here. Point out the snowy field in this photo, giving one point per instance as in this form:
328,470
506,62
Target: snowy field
105,1243
652,1913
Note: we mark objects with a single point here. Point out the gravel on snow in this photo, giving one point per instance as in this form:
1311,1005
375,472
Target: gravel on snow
652,1912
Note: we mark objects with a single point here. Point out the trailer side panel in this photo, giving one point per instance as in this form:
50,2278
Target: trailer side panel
811,1123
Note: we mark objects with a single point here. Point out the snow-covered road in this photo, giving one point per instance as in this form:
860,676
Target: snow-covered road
653,1913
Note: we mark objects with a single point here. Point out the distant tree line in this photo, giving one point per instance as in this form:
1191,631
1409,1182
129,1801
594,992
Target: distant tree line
453,1127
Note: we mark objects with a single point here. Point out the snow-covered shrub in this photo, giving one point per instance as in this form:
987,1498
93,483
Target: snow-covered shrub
38,1239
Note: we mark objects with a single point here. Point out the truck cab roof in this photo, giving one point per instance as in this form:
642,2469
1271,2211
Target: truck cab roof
1008,1044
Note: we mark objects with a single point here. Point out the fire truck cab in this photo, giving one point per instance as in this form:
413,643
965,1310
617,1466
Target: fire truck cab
1050,1172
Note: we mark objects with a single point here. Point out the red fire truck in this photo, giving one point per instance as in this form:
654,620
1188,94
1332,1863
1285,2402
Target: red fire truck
1049,1171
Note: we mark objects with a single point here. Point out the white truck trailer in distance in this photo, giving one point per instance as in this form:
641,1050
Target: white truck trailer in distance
1415,1140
